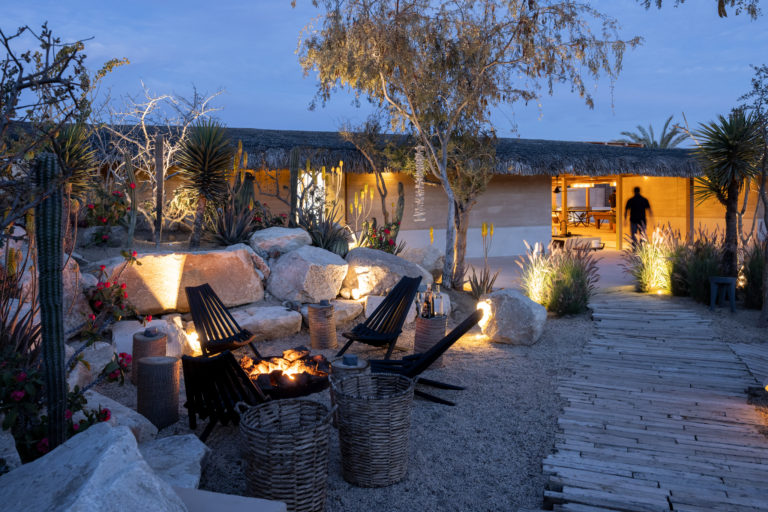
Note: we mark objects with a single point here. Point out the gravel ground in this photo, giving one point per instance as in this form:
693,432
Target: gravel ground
483,454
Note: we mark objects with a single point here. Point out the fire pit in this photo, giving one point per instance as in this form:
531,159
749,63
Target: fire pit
295,373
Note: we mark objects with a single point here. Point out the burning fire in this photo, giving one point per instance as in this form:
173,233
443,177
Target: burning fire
292,363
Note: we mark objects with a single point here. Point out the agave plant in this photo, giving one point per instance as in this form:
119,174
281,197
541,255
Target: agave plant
324,231
204,159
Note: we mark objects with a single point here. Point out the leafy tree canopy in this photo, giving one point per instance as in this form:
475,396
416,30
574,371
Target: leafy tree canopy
751,7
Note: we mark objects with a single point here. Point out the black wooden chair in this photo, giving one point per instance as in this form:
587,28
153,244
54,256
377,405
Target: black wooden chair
412,366
216,329
386,323
214,386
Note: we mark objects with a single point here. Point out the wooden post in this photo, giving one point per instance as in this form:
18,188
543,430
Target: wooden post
689,213
564,205
619,212
159,180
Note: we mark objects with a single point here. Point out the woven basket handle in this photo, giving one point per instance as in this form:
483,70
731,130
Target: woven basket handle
241,407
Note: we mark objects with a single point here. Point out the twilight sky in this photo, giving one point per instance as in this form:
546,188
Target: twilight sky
691,61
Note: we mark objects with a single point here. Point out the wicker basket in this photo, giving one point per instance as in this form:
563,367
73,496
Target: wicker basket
322,326
428,332
287,452
374,418
339,370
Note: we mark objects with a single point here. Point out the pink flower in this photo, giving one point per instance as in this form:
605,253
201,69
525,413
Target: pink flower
103,220
98,304
21,377
391,242
106,414
122,306
67,414
122,286
114,375
42,446
91,317
127,208
16,396
148,318
103,268
125,295
386,231
132,185
105,237
91,207
134,253
107,284
75,427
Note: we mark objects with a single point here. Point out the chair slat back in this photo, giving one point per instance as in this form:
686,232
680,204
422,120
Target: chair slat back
430,356
390,316
213,322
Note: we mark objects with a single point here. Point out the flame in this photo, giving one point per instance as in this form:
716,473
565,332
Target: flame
289,368
193,340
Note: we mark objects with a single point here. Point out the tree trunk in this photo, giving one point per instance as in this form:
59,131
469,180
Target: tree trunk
731,245
462,223
382,189
764,198
197,231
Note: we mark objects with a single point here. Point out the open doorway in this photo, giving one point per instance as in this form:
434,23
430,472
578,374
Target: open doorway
590,217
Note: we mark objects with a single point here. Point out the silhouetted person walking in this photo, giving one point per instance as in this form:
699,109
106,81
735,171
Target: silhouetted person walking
635,210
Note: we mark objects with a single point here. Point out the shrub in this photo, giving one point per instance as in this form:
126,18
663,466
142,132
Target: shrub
107,209
571,281
383,238
563,281
703,261
648,261
752,275
324,231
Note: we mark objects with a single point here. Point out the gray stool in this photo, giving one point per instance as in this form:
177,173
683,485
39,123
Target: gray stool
146,343
158,390
719,288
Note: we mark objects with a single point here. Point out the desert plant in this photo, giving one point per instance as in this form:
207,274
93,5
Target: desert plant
752,275
204,160
133,208
534,268
482,283
19,309
648,261
678,274
571,281
704,261
49,261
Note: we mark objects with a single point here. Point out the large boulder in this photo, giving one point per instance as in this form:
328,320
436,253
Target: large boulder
94,359
99,470
344,311
122,416
176,459
511,317
276,241
157,285
268,322
430,258
308,274
374,272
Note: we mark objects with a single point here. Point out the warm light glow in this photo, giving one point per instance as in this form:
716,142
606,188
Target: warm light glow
193,340
289,368
581,185
485,307
355,293
765,385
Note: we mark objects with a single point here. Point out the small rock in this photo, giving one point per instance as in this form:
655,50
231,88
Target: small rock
278,240
374,272
344,311
8,447
97,356
513,318
177,459
268,322
122,416
308,274
98,470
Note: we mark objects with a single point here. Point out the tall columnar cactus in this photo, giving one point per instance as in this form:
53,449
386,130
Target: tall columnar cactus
49,262
293,167
400,208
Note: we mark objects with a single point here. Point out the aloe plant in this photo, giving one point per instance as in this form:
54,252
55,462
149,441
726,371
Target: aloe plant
50,257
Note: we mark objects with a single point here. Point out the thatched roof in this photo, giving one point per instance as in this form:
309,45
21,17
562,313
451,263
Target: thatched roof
526,157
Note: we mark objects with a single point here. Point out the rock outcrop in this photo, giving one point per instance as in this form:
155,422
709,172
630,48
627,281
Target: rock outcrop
308,274
514,318
277,240
374,272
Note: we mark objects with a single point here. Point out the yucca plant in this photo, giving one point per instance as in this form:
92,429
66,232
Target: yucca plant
729,151
204,159
324,231
77,158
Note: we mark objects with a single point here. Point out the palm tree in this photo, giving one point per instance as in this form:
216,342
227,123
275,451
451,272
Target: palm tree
204,159
729,151
668,139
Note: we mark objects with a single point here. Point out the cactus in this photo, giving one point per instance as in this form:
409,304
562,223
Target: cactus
293,167
130,173
399,209
49,258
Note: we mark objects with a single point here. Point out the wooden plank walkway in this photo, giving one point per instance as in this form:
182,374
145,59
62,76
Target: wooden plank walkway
657,417
755,356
